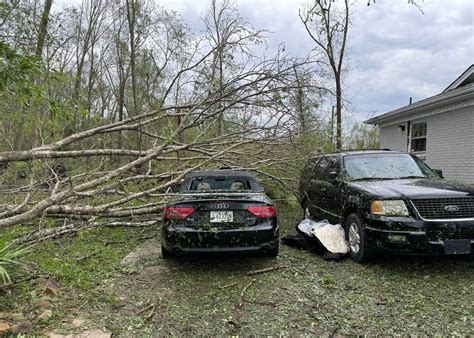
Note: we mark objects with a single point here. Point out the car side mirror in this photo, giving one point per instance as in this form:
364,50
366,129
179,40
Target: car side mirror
175,188
438,172
332,176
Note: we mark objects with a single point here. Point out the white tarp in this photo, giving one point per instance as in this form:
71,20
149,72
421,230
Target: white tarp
330,235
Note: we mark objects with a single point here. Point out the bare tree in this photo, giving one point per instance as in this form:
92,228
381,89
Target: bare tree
327,24
228,33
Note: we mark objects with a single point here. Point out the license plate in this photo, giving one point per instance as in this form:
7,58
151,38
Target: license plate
457,246
222,216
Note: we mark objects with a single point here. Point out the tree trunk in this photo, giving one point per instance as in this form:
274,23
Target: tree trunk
131,18
43,28
338,115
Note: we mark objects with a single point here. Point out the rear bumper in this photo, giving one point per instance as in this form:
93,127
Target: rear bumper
187,240
411,236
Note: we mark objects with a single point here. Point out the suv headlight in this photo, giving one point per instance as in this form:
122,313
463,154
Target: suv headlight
389,208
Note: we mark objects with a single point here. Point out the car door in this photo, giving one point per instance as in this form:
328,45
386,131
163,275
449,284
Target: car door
308,174
316,187
332,190
324,193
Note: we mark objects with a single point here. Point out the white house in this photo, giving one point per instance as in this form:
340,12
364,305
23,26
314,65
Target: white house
439,129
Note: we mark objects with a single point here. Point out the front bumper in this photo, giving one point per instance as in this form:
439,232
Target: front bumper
410,236
251,239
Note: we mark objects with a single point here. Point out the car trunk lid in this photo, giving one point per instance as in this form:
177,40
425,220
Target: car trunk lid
222,211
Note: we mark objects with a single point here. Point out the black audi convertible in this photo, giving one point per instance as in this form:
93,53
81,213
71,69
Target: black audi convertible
220,211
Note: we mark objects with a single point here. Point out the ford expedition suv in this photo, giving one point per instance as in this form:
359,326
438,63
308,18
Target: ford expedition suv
389,201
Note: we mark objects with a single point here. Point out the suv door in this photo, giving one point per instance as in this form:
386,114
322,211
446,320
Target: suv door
315,188
307,177
332,190
324,195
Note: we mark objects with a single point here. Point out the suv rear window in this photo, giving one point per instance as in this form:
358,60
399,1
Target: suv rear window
212,183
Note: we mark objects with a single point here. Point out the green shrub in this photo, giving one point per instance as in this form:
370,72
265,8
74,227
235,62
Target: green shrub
9,257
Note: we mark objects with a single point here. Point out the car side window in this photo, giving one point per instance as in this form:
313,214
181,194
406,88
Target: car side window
313,166
321,171
331,163
309,170
334,164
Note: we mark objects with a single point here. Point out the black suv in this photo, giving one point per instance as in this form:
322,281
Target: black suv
220,211
389,201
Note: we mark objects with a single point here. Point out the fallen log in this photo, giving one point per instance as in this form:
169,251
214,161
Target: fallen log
54,233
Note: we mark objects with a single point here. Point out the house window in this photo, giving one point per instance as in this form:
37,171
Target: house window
418,137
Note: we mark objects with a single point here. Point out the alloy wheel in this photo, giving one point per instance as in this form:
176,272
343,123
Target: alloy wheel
354,238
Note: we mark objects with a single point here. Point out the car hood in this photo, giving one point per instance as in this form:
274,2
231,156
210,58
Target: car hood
415,188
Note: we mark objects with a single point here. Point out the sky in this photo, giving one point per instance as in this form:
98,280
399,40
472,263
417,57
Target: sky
395,50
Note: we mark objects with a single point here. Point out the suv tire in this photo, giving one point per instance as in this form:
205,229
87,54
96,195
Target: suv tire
356,236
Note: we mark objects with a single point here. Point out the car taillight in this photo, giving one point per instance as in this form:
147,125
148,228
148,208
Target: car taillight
177,212
263,212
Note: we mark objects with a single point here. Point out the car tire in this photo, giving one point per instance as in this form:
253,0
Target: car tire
357,238
165,254
273,252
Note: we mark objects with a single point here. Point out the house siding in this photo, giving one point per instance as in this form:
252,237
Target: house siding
450,143
392,138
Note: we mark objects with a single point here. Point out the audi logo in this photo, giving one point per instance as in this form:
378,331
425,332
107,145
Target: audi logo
219,206
451,208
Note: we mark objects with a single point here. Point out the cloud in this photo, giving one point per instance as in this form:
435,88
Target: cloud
398,53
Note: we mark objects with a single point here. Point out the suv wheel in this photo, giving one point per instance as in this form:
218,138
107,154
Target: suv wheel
355,235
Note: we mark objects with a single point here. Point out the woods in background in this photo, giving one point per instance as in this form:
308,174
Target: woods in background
106,105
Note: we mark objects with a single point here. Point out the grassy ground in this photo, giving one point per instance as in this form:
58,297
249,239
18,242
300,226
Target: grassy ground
214,295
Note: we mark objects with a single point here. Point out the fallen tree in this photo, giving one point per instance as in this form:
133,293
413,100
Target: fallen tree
260,124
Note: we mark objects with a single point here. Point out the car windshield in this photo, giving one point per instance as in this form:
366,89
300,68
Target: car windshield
212,183
385,166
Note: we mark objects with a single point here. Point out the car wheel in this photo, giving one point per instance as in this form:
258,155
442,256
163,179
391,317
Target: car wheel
356,236
273,252
165,253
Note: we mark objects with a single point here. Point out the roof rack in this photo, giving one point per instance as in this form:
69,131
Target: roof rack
318,153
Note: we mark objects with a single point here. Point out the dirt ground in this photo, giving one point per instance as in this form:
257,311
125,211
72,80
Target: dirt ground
139,293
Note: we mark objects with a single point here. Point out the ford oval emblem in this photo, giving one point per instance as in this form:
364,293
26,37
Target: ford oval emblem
451,208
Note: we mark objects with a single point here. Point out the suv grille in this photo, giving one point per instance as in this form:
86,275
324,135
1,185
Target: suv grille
445,208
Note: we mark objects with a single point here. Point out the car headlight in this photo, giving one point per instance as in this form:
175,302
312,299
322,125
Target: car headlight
389,208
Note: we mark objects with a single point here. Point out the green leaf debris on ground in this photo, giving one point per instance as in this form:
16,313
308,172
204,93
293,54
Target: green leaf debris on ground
145,294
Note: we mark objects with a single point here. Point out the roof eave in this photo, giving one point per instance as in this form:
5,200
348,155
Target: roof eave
430,102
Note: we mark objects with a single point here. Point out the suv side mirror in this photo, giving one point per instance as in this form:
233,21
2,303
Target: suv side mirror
438,172
332,176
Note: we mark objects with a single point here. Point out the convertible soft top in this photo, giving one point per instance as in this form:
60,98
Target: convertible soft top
220,172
